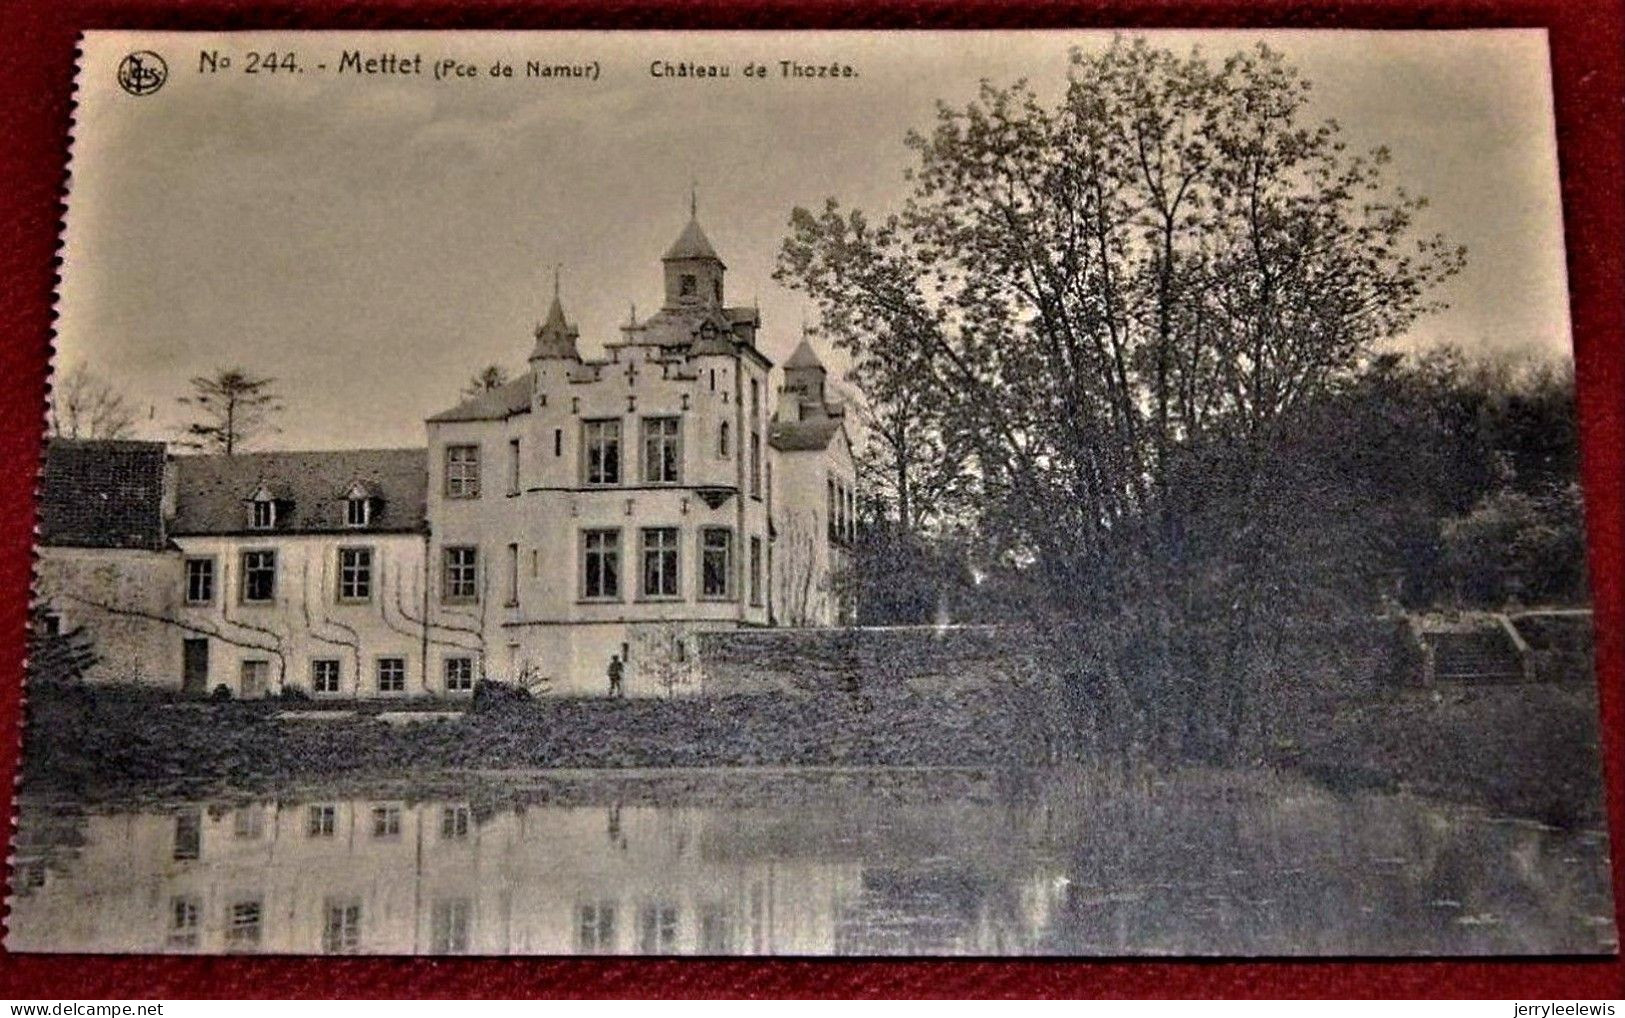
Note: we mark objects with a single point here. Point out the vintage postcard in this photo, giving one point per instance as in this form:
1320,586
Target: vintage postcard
1020,493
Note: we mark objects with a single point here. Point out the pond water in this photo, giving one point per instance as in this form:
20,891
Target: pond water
809,863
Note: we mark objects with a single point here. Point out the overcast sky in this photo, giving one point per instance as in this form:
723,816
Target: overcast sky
372,241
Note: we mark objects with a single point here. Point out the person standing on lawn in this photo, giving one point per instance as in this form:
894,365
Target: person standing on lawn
616,670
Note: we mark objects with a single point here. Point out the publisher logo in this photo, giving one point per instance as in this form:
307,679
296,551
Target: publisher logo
142,73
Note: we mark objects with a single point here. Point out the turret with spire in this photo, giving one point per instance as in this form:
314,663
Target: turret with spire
803,395
555,337
693,270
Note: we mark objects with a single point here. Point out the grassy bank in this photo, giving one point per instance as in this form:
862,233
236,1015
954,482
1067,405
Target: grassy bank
1529,750
100,746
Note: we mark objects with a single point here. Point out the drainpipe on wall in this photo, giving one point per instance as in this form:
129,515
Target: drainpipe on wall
424,624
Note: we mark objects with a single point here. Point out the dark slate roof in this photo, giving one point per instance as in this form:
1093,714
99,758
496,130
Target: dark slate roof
804,357
673,328
211,492
802,436
692,243
102,494
498,404
555,338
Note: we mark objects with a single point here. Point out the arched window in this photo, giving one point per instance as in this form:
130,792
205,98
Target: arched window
723,441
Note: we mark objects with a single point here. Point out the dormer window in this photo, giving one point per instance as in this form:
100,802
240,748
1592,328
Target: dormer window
357,506
357,511
262,510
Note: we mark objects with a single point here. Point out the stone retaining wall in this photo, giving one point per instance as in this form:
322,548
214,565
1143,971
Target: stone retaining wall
920,659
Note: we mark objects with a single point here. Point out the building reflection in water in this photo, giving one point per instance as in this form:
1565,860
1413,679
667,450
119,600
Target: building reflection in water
1232,864
363,876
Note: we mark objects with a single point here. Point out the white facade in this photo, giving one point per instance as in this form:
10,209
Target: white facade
588,510
613,507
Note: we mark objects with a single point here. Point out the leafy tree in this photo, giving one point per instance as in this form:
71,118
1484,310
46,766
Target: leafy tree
488,379
233,408
1122,308
1073,292
1515,546
86,405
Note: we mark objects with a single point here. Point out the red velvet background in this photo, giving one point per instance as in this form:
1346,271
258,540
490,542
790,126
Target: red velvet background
36,75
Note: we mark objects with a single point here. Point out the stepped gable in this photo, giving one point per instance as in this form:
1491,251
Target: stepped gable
311,489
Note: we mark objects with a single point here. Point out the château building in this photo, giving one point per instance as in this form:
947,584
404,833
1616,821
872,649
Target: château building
588,509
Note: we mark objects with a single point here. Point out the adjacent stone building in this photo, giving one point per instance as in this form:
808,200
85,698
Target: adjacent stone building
587,510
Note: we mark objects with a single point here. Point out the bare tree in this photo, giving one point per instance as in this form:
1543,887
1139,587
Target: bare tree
664,652
86,405
234,407
488,379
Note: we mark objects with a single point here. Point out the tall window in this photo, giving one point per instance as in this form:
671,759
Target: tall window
756,571
357,511
454,823
262,514
756,463
716,929
657,929
595,927
184,911
259,576
851,515
688,285
462,471
723,441
324,675
755,438
459,573
601,564
321,821
256,679
244,923
660,562
188,834
662,450
459,674
200,581
392,675
355,574
513,466
248,823
386,821
448,926
341,928
829,483
513,574
601,444
716,562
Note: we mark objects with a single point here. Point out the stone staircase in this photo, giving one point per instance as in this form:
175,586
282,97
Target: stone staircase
1471,647
1483,655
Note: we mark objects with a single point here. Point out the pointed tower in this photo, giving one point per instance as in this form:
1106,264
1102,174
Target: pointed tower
693,270
804,374
801,397
555,337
